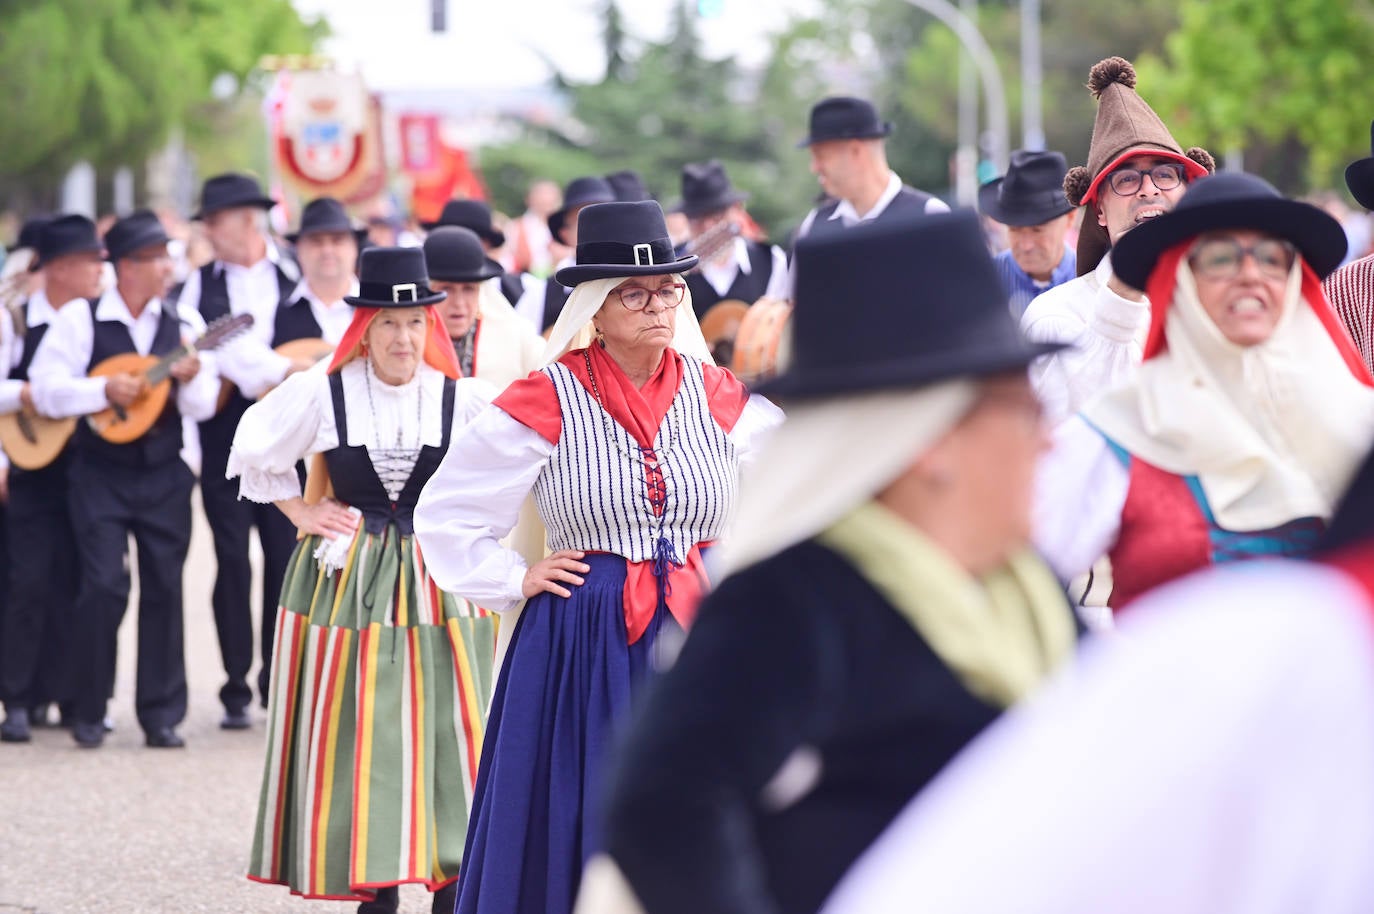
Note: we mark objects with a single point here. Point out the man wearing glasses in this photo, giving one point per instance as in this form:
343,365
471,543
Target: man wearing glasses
1135,172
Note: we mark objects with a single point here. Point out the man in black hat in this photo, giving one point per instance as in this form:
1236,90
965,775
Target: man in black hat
849,158
580,192
141,488
1351,287
248,276
36,616
524,292
732,266
327,245
1030,202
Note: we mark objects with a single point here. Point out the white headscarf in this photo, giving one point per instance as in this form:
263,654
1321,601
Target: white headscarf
1273,432
828,457
572,330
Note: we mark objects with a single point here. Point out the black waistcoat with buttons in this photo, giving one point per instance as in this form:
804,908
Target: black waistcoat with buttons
32,337
908,202
747,287
356,482
162,443
294,321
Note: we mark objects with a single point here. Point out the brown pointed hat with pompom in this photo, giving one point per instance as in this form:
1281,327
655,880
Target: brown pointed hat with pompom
1126,126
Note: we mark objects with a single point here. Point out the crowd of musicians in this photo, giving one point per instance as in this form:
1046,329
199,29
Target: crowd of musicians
615,559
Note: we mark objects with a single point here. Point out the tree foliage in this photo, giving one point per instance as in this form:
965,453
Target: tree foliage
106,80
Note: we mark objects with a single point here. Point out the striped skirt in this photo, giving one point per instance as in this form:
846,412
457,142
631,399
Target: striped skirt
380,684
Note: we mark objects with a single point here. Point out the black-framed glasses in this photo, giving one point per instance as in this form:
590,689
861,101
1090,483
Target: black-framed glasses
1221,258
1125,182
636,298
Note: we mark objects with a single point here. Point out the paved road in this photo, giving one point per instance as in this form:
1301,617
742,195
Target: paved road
125,828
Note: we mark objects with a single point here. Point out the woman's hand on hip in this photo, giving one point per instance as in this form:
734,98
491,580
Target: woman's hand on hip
326,517
545,574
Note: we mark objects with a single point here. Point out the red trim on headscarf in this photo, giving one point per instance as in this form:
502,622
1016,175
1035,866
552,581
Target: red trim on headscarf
1164,278
640,411
438,352
1191,169
726,395
533,402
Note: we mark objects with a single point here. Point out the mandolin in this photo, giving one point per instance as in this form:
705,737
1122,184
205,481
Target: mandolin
121,425
32,441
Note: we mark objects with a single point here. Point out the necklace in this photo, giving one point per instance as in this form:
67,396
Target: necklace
376,427
669,434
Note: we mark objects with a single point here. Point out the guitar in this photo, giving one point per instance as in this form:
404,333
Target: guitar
121,425
32,441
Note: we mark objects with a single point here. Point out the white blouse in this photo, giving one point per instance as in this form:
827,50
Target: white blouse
473,500
1080,491
296,420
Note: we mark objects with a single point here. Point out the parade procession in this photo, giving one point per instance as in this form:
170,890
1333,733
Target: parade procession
687,457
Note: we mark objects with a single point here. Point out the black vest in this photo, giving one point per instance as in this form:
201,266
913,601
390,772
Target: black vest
908,202
294,321
32,337
512,286
747,288
162,443
356,482
555,297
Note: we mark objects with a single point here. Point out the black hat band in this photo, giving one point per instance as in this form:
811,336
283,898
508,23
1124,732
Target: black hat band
398,293
653,253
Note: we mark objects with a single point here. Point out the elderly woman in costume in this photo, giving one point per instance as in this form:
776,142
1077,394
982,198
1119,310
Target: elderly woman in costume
380,680
631,444
1249,415
879,606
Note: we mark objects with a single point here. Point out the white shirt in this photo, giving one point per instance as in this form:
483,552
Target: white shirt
720,273
1107,336
333,317
60,386
846,213
531,303
40,312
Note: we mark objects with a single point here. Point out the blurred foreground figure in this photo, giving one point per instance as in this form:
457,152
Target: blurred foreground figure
1215,758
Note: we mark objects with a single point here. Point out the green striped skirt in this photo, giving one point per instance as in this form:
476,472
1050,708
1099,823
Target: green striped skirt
380,687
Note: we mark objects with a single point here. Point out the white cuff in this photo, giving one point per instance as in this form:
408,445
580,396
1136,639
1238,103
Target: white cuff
262,486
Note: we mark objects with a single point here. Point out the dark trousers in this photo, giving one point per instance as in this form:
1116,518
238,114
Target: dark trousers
153,503
39,617
230,521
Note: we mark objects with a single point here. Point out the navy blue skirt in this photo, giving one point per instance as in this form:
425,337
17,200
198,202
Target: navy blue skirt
567,682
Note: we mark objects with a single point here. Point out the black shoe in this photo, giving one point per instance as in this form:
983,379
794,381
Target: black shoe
235,719
88,736
15,729
163,738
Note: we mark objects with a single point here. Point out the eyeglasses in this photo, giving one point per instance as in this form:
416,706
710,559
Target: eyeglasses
1221,258
1127,181
636,298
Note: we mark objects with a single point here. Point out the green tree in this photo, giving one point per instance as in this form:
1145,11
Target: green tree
1272,79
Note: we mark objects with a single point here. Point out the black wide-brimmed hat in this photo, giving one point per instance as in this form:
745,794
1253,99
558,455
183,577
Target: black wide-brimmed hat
580,192
326,214
900,304
70,234
29,232
1031,192
1359,176
469,214
455,254
844,118
136,231
231,190
393,278
628,186
1230,200
706,189
623,239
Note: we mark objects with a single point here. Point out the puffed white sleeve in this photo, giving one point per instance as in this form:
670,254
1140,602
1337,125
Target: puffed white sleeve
294,420
1080,490
472,501
751,430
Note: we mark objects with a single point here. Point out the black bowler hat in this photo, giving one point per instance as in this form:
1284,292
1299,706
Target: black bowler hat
623,239
1359,176
706,189
469,214
71,234
900,304
580,192
1230,200
326,215
455,254
1031,193
140,229
844,118
393,278
231,190
628,186
29,232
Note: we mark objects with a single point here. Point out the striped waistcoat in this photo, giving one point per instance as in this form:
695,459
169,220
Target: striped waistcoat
592,495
